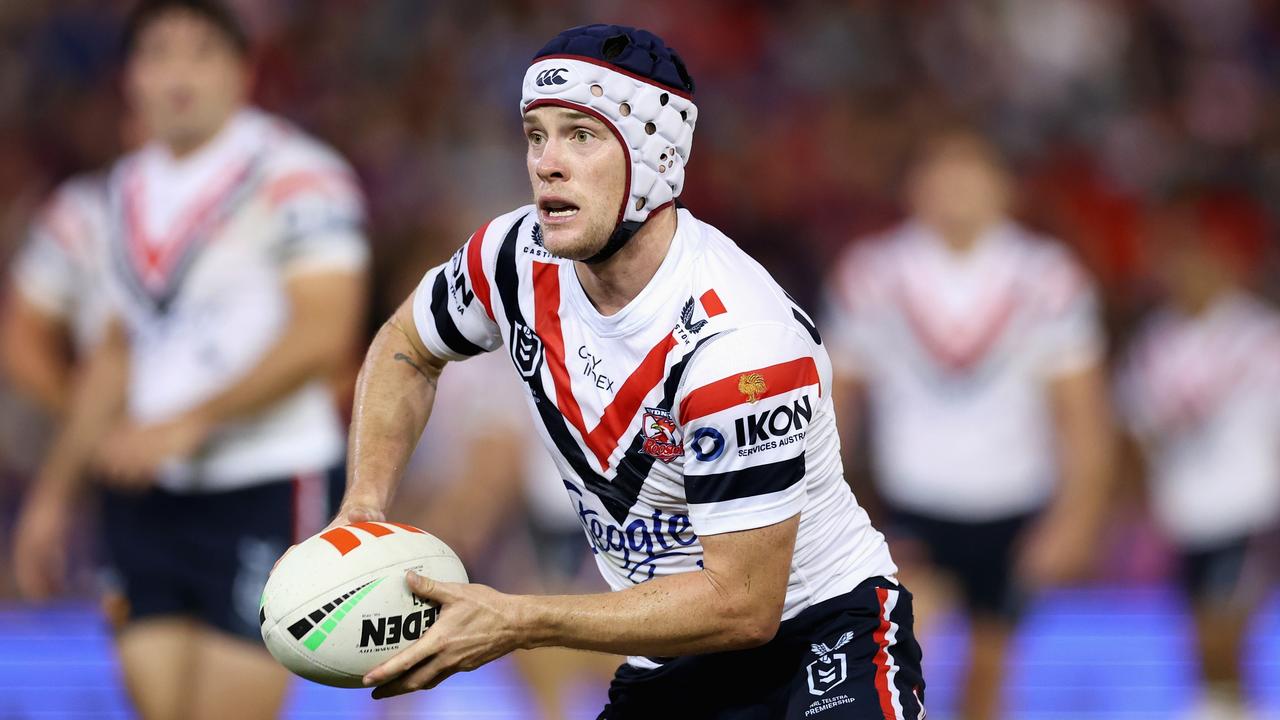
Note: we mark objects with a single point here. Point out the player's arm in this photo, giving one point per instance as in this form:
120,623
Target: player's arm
1063,547
326,308
394,395
734,602
37,353
97,402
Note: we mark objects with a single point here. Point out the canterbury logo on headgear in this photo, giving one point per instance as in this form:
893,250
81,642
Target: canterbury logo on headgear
551,77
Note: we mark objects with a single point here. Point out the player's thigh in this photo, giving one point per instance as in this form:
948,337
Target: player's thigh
234,678
156,656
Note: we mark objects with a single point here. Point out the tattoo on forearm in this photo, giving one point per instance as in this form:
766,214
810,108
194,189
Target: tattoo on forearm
421,371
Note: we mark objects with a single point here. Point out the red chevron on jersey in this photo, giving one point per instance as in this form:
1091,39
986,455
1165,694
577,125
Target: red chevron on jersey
969,348
603,439
475,272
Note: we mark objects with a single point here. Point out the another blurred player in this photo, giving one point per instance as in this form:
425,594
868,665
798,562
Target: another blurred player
978,347
1200,391
235,269
57,305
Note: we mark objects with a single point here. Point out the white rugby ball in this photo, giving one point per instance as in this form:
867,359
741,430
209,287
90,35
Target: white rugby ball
337,606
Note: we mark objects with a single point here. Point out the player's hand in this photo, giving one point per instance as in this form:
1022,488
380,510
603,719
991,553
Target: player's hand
475,626
1057,552
131,455
40,545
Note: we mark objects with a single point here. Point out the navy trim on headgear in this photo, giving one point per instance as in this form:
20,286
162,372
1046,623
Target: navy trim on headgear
638,52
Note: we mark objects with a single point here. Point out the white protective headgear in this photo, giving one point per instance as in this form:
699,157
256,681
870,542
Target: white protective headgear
653,122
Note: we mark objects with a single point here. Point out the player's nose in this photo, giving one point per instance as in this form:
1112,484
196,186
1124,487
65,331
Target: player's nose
551,165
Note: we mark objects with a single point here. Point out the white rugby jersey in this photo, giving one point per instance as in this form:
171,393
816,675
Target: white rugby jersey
59,268
957,350
1202,395
198,255
702,407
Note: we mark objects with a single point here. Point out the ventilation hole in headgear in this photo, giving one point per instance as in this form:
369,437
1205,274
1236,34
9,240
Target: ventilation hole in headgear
614,46
684,115
640,203
650,128
624,109
597,90
663,98
663,156
662,168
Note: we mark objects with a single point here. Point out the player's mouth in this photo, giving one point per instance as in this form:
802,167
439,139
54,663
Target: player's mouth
555,211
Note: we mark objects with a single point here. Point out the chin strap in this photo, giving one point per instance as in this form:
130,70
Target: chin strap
621,234
624,232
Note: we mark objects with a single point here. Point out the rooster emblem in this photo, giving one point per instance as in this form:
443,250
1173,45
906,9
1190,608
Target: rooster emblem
752,385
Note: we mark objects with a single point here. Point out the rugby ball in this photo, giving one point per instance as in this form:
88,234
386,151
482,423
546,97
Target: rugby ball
337,605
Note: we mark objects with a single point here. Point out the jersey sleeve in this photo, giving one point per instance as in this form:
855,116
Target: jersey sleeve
48,268
748,401
321,213
849,299
451,307
1068,336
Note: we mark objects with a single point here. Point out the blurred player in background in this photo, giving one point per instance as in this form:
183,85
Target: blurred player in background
1200,393
685,400
978,349
234,264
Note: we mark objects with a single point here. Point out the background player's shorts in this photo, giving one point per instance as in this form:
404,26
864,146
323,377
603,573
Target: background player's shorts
851,657
978,556
1213,574
208,555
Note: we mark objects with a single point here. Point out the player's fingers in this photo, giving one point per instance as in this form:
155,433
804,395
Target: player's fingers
428,589
423,677
402,662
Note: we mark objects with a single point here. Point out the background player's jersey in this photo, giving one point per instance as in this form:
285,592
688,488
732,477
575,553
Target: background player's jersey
1202,394
957,351
702,407
59,268
199,253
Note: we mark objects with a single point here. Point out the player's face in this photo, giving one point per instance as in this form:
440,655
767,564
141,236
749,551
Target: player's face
184,78
958,190
577,169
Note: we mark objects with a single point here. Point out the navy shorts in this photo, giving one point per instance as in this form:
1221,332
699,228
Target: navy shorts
851,657
207,555
978,556
1213,574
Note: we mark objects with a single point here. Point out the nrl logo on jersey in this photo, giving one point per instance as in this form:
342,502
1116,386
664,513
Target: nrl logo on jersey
831,668
661,435
526,350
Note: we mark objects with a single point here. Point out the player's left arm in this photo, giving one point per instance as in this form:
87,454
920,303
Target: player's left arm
734,602
1064,545
324,258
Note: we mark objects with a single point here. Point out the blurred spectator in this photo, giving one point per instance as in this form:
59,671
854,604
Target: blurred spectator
978,347
1200,392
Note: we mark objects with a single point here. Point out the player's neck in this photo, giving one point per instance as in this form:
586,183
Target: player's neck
612,284
181,148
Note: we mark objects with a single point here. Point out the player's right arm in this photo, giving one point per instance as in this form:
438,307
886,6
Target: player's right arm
37,353
97,401
394,395
448,318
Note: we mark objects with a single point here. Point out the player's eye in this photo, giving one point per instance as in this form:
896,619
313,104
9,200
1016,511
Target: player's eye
581,135
535,137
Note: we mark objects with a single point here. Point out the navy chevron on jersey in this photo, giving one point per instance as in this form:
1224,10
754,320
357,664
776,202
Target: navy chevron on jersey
702,407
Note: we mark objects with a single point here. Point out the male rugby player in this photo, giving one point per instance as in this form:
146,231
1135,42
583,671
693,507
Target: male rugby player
699,452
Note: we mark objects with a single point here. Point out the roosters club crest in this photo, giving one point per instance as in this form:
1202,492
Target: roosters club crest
752,386
831,668
661,436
